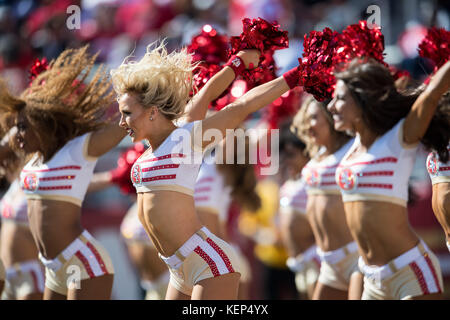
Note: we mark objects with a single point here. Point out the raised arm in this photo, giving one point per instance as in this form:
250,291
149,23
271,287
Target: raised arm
105,139
197,107
233,114
422,111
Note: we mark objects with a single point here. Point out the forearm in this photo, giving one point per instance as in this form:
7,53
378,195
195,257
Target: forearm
105,139
440,82
198,106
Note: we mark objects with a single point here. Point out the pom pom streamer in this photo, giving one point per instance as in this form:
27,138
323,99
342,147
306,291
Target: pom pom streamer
436,46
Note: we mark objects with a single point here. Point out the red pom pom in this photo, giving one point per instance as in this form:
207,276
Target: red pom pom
319,50
266,37
209,46
121,174
37,68
436,46
259,34
358,40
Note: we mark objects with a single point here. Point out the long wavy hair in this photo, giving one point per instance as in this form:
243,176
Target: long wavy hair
383,104
160,79
62,102
300,126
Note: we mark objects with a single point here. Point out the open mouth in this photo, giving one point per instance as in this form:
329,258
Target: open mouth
130,132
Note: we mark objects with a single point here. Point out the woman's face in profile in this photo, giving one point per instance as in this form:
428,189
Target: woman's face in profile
344,108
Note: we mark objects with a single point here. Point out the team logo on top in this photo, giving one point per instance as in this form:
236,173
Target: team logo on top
136,174
346,179
236,62
30,182
432,164
312,178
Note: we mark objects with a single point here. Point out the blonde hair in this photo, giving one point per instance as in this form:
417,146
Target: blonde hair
300,126
159,79
59,104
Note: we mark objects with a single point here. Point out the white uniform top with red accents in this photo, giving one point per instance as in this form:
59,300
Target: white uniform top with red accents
293,196
380,174
173,166
14,204
439,171
65,177
211,193
319,175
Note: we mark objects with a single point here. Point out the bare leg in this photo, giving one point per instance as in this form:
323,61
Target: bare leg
243,293
224,287
174,294
356,286
93,289
52,295
2,284
324,292
311,289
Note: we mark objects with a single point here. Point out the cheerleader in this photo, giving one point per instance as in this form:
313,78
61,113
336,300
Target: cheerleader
60,131
218,185
23,271
152,94
373,176
337,250
296,231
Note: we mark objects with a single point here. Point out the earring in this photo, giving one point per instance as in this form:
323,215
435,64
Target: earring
151,118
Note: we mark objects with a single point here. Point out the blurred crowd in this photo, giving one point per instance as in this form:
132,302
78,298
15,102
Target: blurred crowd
31,29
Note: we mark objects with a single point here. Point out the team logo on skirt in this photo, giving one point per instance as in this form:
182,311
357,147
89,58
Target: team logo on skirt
346,179
432,164
30,182
136,174
312,178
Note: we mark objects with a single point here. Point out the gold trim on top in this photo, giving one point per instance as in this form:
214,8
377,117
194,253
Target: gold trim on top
440,179
373,197
166,187
56,197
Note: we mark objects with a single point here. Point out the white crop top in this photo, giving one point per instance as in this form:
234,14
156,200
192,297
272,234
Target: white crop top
293,196
211,193
439,171
173,166
65,177
319,175
14,204
380,174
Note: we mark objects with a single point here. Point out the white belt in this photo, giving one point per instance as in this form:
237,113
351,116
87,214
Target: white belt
333,257
56,263
382,272
298,263
175,260
23,267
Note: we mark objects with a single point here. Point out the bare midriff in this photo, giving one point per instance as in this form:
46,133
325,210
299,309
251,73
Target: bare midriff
16,243
169,218
441,205
327,217
54,225
381,230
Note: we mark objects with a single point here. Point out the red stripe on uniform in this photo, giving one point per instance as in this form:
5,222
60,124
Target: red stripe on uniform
167,156
55,188
375,185
433,271
57,178
54,169
420,277
164,166
206,179
164,177
382,160
208,260
204,189
444,168
98,257
221,254
329,183
86,264
201,198
377,173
